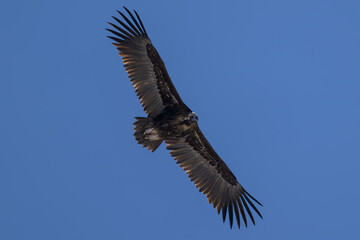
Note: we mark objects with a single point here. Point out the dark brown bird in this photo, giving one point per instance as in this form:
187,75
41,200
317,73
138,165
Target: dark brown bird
170,120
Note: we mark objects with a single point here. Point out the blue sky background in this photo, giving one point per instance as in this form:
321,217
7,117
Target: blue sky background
276,85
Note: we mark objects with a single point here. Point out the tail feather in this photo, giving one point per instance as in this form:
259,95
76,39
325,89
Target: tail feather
141,125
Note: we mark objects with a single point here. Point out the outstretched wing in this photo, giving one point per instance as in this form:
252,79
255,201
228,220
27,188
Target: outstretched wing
144,65
211,176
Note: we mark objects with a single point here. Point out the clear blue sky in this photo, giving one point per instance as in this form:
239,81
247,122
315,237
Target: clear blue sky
276,85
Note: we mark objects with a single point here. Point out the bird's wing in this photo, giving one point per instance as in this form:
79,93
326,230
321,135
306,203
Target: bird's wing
212,176
144,65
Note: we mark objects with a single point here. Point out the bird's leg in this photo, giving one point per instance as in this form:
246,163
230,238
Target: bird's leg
150,134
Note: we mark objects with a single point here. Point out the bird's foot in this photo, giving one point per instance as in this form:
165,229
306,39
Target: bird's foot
150,134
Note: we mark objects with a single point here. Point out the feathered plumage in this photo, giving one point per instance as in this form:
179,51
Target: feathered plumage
170,120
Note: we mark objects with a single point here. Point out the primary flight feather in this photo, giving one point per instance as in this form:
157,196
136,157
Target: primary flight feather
170,120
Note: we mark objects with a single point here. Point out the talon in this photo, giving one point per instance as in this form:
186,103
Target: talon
150,134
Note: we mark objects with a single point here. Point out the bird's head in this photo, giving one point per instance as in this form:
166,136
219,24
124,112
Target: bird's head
193,117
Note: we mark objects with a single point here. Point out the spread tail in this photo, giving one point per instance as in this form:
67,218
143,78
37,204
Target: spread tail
145,134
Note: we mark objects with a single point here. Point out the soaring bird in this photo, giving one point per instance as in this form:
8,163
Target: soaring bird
170,120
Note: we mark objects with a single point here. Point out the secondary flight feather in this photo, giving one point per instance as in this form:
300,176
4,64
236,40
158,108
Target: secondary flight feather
169,120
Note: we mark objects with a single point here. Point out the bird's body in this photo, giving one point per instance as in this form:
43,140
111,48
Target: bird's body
169,120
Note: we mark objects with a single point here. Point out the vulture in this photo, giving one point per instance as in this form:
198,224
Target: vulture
169,120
